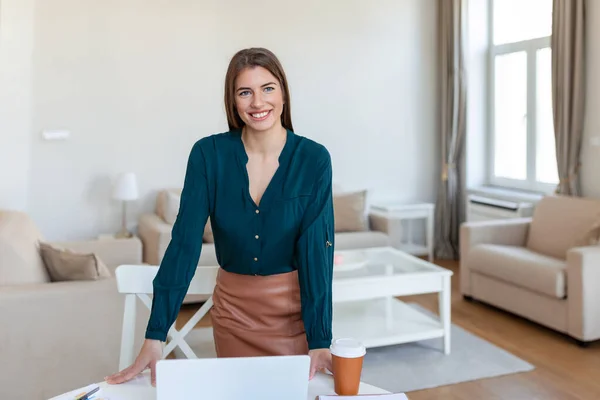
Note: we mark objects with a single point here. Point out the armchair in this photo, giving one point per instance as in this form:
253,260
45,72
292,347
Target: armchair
545,268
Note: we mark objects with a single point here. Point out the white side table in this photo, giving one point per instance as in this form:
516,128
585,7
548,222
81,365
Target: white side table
395,211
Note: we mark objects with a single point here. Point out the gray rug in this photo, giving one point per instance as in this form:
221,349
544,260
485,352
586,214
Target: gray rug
423,365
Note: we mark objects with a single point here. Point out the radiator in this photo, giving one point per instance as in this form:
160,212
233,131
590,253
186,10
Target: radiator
483,208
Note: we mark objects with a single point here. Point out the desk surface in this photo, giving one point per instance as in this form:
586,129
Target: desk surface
140,388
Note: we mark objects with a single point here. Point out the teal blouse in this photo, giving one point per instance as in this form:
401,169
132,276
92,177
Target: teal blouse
292,228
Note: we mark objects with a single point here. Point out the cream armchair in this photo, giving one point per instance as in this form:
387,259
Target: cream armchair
545,268
57,336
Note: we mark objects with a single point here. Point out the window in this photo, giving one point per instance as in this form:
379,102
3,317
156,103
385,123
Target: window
522,147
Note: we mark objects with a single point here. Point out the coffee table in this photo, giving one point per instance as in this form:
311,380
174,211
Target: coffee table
140,388
365,286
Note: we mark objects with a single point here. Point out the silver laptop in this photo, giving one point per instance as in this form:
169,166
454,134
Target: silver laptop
248,378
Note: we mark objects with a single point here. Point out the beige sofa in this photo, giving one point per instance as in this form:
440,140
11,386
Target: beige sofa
154,228
57,336
545,268
360,229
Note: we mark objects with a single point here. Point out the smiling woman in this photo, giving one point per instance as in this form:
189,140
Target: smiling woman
268,193
255,76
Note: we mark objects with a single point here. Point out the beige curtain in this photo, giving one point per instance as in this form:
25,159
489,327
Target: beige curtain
450,203
568,91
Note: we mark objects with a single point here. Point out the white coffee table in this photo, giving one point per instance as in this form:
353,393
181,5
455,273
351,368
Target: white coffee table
365,307
364,291
140,388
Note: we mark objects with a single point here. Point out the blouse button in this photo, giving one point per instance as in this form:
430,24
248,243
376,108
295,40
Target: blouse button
257,211
255,259
256,237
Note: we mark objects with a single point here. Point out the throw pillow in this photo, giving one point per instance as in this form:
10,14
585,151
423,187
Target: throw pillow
208,233
67,265
172,209
590,238
350,211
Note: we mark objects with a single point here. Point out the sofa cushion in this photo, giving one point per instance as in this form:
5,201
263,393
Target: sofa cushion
208,255
162,203
350,211
208,236
520,266
167,208
360,240
20,260
170,206
67,265
562,222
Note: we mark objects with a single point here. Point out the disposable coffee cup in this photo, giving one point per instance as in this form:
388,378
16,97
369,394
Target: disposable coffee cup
347,356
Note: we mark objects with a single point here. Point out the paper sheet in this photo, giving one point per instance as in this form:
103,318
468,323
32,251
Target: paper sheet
391,396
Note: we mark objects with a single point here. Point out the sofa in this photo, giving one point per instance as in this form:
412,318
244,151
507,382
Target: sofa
56,336
545,268
355,228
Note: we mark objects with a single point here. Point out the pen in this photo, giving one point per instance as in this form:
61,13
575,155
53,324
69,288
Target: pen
87,395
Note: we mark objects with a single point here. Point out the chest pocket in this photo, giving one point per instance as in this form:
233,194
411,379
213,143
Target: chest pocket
293,194
290,204
287,211
296,189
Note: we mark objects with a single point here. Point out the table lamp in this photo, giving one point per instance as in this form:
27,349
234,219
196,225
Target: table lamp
125,190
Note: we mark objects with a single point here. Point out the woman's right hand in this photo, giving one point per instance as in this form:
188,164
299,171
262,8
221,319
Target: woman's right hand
149,355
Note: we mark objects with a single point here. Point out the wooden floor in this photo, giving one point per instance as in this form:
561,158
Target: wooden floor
563,370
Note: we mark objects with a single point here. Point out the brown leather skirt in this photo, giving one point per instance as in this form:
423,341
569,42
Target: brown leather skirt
257,315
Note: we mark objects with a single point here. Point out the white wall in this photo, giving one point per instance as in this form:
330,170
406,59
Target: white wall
16,49
137,82
590,155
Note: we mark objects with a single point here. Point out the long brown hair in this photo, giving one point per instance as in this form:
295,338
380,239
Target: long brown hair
250,58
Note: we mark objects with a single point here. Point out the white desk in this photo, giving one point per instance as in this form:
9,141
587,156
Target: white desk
140,388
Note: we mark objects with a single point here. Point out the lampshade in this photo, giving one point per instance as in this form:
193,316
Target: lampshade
126,187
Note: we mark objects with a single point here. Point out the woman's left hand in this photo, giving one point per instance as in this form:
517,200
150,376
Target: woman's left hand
320,360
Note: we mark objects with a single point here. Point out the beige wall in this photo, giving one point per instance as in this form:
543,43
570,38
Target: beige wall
16,50
137,82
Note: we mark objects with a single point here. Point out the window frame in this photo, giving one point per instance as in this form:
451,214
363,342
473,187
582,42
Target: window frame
530,47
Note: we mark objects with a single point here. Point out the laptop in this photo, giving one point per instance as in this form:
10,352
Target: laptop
248,378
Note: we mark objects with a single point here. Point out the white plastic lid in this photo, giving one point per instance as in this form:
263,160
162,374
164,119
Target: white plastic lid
347,348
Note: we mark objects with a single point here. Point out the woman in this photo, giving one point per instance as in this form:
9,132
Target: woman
268,193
